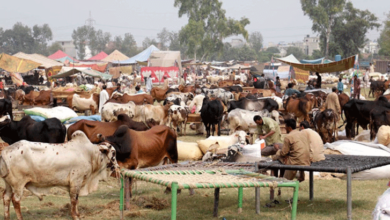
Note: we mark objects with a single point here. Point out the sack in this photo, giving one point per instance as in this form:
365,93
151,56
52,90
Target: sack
384,135
205,144
62,113
189,151
90,118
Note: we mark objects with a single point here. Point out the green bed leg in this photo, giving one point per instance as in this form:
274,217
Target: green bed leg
240,195
174,200
295,202
121,198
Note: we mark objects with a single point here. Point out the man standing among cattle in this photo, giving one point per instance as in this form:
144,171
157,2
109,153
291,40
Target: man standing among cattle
319,81
356,87
103,98
295,151
268,129
332,102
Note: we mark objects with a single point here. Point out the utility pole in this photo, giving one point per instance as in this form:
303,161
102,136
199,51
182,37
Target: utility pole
90,21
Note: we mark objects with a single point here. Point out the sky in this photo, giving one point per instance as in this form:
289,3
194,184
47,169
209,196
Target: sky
276,20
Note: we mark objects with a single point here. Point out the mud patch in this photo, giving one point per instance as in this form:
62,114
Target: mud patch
151,203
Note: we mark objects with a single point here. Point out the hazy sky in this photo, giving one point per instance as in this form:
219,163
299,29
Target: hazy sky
277,20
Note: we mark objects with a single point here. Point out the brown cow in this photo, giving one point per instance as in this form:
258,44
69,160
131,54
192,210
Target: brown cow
92,128
43,98
343,99
188,88
267,92
138,99
159,94
84,102
157,114
135,149
229,82
29,99
300,107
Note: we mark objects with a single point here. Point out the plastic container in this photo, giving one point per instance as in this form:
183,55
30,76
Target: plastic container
337,58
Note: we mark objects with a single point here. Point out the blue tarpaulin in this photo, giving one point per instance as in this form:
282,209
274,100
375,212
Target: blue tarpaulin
141,57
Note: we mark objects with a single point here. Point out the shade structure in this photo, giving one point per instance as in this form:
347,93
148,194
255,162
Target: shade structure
16,65
59,55
68,71
99,56
115,57
44,61
141,57
165,59
338,66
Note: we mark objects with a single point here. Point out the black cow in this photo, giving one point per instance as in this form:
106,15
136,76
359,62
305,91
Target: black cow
378,116
253,105
175,101
357,112
49,131
376,86
6,107
233,88
211,114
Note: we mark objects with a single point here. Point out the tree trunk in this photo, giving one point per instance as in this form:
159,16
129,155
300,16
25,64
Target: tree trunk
327,37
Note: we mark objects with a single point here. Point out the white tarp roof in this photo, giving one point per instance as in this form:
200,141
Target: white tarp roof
44,61
165,59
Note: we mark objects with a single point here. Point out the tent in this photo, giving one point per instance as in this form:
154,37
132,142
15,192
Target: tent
59,55
68,71
165,59
316,61
99,56
341,65
44,61
15,64
141,57
115,56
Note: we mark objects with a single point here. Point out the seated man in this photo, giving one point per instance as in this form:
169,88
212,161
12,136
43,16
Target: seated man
290,91
309,86
316,144
295,151
268,129
138,90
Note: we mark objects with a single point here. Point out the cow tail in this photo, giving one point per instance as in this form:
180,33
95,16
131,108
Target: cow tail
3,168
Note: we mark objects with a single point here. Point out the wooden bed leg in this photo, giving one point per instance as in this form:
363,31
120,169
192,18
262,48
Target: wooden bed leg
257,199
127,193
216,202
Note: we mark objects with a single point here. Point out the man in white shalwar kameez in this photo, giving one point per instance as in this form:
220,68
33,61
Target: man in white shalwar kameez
103,98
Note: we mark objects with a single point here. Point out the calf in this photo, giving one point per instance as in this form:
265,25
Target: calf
325,123
76,166
111,110
177,117
300,107
49,131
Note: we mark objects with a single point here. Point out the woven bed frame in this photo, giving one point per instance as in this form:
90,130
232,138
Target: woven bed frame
200,175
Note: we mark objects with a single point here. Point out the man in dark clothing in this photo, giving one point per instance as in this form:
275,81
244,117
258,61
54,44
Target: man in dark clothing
319,80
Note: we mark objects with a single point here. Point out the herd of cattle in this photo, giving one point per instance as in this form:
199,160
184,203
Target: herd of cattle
135,132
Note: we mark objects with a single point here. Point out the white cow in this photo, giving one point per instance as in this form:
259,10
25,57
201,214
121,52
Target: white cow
382,208
177,117
240,119
111,110
236,137
197,102
76,166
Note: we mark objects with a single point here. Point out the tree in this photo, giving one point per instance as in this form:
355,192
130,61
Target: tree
164,37
175,43
127,45
256,41
207,20
54,47
323,14
147,42
42,35
350,29
297,52
98,40
316,54
17,39
384,38
273,50
80,38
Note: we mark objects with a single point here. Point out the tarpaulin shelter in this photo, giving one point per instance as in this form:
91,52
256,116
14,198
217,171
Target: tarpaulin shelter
59,55
50,66
316,61
115,56
68,71
338,66
101,67
99,56
141,57
165,59
16,65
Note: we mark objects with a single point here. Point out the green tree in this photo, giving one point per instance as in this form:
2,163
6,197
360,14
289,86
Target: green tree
147,42
316,54
54,47
297,52
323,14
273,50
164,37
208,17
42,35
256,41
350,29
98,40
17,39
80,37
384,38
127,45
175,44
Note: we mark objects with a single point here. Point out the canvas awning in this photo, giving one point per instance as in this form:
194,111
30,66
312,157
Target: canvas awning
44,61
141,57
15,64
115,56
68,71
165,59
338,66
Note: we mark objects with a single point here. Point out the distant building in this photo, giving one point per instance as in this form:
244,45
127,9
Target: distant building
371,47
310,44
237,42
68,47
